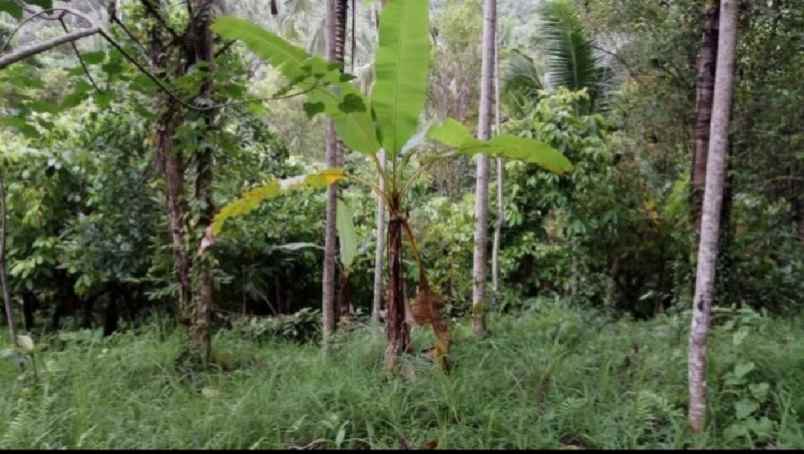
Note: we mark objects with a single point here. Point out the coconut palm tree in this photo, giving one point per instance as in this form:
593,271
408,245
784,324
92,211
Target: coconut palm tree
570,60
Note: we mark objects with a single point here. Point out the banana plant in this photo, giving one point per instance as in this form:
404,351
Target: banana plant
386,120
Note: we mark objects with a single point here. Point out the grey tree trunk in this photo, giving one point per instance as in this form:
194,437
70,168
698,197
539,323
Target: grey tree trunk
712,204
704,90
498,224
379,257
336,39
3,276
479,308
381,230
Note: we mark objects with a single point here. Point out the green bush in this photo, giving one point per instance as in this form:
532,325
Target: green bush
301,326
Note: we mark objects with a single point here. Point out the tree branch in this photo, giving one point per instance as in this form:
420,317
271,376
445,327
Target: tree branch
130,35
80,59
225,48
46,45
26,52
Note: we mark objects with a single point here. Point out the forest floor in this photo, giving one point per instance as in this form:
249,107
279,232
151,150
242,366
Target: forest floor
552,377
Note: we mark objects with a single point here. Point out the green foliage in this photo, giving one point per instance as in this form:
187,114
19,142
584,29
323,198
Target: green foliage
12,8
327,90
347,237
444,228
554,377
455,135
301,326
596,233
570,59
402,67
521,83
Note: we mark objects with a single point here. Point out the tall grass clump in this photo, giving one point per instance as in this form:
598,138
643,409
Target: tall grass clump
551,377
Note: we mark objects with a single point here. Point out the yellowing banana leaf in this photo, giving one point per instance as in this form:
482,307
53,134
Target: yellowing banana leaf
253,198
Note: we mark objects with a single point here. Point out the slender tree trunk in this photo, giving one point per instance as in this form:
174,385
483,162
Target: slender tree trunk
336,39
172,164
798,216
29,305
498,224
705,84
710,223
379,262
12,332
482,179
204,291
381,232
396,330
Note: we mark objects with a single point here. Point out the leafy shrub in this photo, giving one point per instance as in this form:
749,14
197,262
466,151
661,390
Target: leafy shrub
600,234
301,326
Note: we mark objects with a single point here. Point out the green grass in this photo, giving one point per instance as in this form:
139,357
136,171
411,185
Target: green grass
549,378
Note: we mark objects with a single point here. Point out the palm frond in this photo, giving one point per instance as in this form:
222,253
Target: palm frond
521,82
570,59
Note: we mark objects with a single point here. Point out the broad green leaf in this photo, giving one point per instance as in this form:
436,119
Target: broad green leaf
346,234
740,336
143,84
287,58
735,431
759,391
455,135
22,76
43,106
762,427
113,67
745,407
11,8
79,93
743,368
356,130
103,99
528,150
326,90
21,125
252,199
94,58
402,67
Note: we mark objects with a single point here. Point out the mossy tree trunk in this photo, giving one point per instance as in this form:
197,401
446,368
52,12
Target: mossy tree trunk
201,51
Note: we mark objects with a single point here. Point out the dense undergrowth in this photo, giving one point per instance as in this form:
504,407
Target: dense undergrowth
548,378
